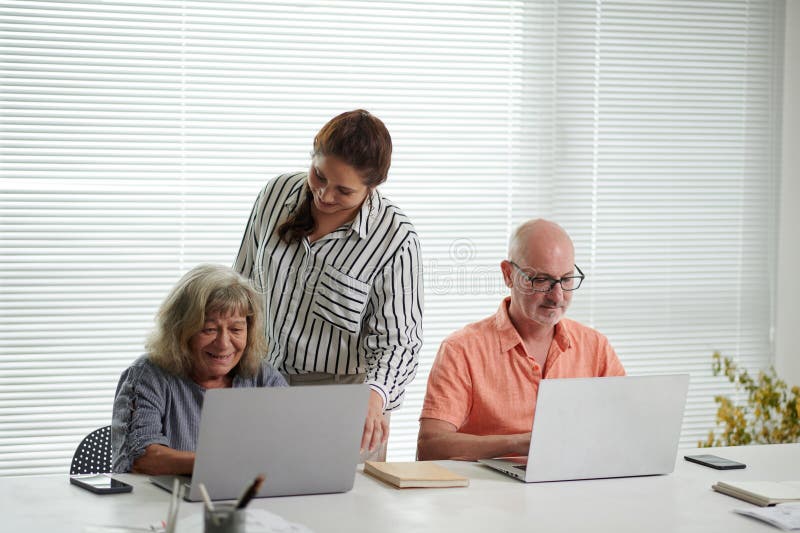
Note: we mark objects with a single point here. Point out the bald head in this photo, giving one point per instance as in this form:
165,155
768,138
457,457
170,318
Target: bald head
536,240
538,249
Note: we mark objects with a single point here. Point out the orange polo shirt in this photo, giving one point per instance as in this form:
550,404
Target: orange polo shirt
484,382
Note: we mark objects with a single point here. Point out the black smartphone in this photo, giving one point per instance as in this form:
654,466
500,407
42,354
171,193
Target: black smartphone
100,484
712,461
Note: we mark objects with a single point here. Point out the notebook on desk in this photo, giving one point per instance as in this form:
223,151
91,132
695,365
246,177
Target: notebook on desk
587,428
304,439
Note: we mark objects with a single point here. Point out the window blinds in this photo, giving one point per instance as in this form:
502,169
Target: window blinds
135,136
661,144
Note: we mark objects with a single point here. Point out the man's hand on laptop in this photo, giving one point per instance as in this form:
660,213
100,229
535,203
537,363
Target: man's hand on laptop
439,439
376,429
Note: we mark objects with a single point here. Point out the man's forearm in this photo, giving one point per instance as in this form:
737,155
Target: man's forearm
464,447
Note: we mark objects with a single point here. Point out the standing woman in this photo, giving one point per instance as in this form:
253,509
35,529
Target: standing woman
339,269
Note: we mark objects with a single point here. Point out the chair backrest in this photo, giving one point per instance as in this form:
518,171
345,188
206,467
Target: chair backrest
93,454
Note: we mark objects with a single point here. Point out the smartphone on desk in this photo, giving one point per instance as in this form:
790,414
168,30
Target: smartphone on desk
100,484
712,461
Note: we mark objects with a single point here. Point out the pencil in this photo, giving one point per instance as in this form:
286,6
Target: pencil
250,492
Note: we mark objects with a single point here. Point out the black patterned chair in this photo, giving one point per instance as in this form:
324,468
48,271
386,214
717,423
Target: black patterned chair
93,454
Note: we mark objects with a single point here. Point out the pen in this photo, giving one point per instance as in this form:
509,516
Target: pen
171,503
209,505
181,492
174,503
250,492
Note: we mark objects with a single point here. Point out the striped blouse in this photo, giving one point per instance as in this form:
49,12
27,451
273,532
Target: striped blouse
348,303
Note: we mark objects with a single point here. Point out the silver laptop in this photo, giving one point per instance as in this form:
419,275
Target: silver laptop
304,439
587,428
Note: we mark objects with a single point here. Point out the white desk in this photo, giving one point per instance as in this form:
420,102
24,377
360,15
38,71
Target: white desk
680,502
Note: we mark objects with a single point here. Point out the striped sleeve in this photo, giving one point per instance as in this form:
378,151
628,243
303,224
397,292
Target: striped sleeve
138,416
263,217
246,258
393,323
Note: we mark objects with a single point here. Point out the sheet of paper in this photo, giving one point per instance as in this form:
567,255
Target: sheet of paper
258,521
785,515
119,529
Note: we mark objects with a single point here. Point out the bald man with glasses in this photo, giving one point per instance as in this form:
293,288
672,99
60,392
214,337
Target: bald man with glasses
482,388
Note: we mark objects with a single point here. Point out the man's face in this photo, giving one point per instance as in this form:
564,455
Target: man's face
543,259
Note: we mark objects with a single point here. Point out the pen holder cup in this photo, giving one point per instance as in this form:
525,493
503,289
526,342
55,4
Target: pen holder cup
225,518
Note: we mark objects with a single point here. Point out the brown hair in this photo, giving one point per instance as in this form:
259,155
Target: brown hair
358,138
202,290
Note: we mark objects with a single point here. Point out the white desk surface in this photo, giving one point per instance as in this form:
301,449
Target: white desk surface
679,502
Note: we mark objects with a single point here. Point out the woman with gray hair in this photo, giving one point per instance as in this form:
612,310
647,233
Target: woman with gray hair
209,334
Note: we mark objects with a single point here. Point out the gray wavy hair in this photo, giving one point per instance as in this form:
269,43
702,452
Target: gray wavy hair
206,289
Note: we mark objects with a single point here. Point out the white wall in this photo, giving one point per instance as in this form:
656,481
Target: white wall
787,332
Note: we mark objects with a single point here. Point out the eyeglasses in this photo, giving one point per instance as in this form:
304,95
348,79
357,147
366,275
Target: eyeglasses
546,283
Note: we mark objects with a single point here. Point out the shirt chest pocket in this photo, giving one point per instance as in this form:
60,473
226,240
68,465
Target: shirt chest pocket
340,300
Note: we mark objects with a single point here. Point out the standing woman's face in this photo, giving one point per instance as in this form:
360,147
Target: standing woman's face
336,186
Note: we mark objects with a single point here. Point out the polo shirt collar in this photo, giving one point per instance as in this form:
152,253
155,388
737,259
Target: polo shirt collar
563,336
506,332
509,336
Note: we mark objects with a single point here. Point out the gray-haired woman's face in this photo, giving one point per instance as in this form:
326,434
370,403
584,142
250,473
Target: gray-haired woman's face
218,346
